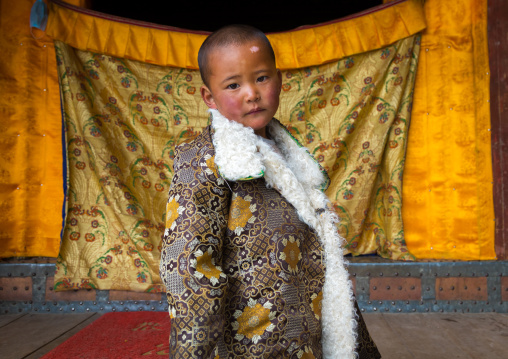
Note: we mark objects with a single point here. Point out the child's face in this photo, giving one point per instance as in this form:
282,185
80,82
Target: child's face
244,84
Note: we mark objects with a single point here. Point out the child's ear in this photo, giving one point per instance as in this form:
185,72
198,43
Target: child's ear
207,97
279,75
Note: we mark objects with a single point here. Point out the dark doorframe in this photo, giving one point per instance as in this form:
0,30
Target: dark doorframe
498,58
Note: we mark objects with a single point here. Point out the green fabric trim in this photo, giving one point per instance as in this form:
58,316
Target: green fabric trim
259,175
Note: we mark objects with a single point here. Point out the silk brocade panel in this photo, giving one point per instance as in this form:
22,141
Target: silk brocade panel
123,119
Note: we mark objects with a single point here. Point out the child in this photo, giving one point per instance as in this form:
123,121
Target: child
251,257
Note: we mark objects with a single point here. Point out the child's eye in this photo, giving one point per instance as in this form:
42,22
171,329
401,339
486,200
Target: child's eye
262,78
233,86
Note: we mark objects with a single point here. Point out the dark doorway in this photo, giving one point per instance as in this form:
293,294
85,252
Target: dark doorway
268,16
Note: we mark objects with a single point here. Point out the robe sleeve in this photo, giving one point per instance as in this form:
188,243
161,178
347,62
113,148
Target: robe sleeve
191,257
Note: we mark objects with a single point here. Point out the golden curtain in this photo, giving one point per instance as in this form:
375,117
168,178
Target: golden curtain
31,181
448,206
124,117
456,224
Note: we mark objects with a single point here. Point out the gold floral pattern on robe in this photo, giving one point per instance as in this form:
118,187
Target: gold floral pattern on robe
172,211
253,321
204,265
291,253
241,213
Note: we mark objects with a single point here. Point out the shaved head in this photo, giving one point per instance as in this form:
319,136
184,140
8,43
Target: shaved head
231,35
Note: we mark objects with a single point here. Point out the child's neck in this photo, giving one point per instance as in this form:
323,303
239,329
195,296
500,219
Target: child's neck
262,132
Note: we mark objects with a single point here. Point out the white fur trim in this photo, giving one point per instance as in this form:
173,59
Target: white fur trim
298,158
298,178
236,154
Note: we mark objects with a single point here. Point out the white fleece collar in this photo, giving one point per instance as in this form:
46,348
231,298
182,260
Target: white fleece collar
238,158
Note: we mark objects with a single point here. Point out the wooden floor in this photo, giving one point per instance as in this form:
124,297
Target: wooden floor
397,335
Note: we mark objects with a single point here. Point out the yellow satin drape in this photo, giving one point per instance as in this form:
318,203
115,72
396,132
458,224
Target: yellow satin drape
448,207
31,181
31,176
167,46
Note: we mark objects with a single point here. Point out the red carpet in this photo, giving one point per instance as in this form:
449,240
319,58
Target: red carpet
119,335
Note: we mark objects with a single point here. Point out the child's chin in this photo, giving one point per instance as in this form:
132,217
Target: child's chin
260,118
258,124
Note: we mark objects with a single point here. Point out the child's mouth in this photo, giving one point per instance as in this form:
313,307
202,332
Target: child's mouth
256,110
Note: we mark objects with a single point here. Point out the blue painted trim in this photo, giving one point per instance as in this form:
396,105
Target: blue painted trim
64,168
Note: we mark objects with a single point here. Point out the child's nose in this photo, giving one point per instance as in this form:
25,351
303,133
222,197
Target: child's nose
252,93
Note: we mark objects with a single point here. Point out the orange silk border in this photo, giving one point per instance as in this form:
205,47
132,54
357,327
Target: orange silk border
167,46
448,208
31,180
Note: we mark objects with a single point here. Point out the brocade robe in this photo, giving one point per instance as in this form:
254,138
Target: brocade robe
243,257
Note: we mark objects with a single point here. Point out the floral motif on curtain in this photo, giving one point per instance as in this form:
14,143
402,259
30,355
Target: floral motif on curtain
123,119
